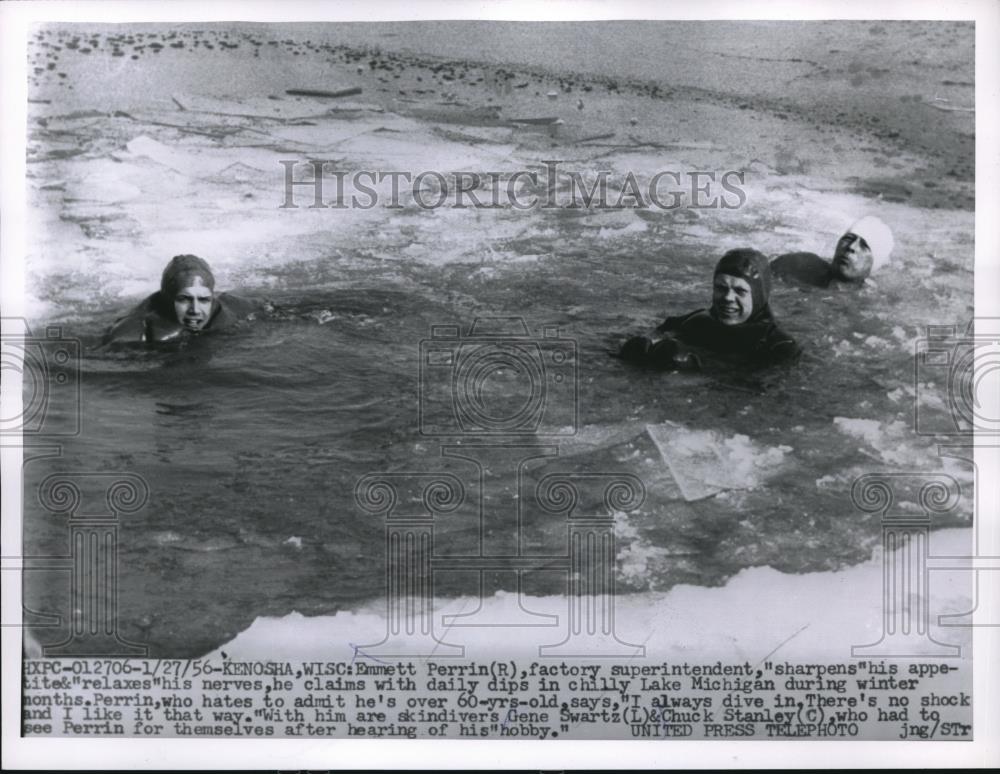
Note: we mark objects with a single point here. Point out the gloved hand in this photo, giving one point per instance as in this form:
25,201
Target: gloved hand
635,349
661,354
687,361
670,354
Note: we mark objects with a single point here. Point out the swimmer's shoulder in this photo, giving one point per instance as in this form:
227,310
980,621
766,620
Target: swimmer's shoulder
144,322
780,346
677,323
807,268
234,309
239,305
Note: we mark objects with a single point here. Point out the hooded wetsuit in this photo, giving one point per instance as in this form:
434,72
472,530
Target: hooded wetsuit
154,319
756,342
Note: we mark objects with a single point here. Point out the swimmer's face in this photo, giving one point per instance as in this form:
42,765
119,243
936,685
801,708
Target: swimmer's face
193,306
852,260
732,299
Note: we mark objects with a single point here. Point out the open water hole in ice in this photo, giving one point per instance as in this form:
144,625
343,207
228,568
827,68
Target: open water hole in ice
252,442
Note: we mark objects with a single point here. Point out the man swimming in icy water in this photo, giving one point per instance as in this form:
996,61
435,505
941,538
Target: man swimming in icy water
185,304
865,247
738,326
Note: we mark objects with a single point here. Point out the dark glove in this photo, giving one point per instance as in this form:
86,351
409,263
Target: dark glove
661,354
670,354
635,349
687,361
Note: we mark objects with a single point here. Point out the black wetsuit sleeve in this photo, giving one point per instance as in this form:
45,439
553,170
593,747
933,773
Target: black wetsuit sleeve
651,349
233,310
240,307
133,327
129,328
807,268
673,324
776,347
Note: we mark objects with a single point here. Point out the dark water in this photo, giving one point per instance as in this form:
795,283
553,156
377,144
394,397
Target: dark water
251,444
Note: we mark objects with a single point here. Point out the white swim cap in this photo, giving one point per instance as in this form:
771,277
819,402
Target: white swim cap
879,239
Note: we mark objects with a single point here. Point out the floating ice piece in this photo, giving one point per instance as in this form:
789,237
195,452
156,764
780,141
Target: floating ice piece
321,136
892,442
147,147
328,133
705,464
423,151
876,342
543,121
635,227
591,438
459,113
693,459
103,181
953,109
349,92
237,172
262,107
200,162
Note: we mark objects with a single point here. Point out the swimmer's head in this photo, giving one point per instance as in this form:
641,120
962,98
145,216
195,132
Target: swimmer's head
189,285
193,305
865,247
741,286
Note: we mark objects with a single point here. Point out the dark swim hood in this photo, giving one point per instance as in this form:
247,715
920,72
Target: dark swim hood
180,274
753,267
